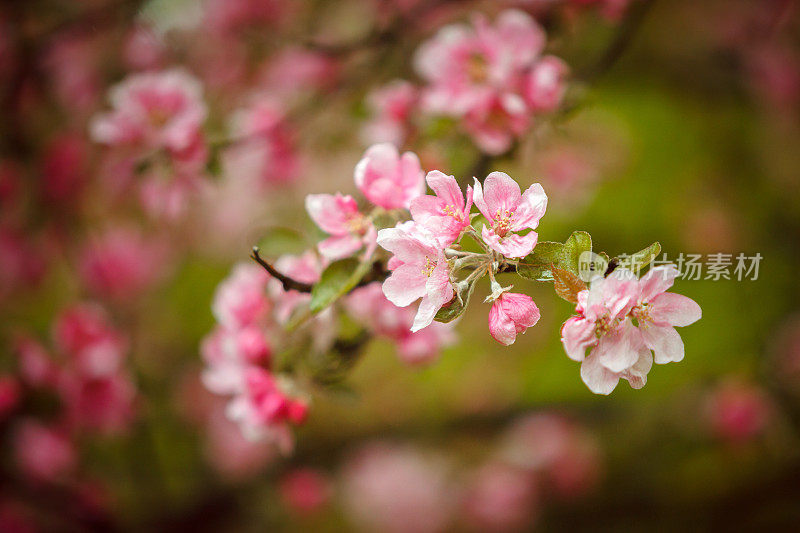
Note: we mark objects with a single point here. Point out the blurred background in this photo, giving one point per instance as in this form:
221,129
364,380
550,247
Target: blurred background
680,123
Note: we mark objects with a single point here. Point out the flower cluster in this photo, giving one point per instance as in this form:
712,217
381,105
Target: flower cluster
621,319
86,377
427,257
238,356
491,77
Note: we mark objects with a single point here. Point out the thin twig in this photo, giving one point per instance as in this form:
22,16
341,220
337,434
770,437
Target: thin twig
289,284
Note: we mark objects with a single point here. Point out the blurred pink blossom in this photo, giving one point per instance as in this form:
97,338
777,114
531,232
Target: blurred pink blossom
564,454
43,453
391,107
103,403
85,335
241,299
389,179
398,489
121,263
500,497
296,70
544,85
9,395
738,411
305,491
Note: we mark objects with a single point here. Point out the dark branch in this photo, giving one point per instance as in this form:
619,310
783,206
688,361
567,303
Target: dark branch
619,44
289,284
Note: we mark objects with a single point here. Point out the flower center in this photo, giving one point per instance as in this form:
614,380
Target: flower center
604,324
477,68
429,266
452,211
642,314
502,222
357,224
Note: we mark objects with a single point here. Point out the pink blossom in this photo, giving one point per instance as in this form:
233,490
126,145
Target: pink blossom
71,61
467,65
162,110
544,86
388,179
264,408
228,353
36,367
64,171
102,403
369,306
494,122
43,453
232,454
508,211
143,49
397,489
305,490
339,216
602,323
657,312
446,214
738,411
511,313
420,271
241,299
84,333
564,454
265,135
500,497
121,263
391,107
168,199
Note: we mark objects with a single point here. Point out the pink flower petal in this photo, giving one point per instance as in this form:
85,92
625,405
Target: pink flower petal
674,309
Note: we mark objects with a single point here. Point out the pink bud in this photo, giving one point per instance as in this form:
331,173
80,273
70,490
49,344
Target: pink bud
512,313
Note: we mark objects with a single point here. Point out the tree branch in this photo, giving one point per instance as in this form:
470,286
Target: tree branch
289,284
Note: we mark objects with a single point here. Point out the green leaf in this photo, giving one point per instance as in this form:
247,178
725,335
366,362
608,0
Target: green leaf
577,243
567,284
279,241
642,258
337,280
455,307
538,265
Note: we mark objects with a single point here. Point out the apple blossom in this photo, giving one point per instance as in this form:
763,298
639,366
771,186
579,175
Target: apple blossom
508,211
391,107
161,110
543,86
43,453
446,214
388,179
263,409
500,497
511,313
398,489
84,333
339,216
305,490
657,312
494,122
602,323
422,272
240,300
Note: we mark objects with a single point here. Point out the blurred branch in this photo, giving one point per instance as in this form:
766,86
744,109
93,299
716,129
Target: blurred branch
621,42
